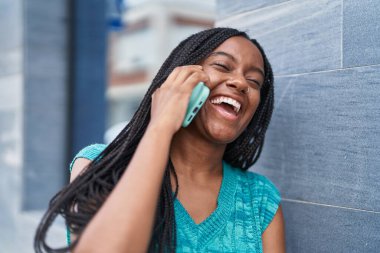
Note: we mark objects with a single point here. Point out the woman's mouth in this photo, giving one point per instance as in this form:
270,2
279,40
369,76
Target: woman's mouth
228,107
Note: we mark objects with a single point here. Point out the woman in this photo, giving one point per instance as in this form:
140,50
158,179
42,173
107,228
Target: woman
160,187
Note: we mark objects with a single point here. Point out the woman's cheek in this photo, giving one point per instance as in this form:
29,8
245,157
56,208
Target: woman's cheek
213,77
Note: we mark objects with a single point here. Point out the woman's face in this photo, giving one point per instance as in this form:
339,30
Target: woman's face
236,72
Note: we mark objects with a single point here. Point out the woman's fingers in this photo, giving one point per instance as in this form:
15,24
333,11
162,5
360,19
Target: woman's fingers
180,76
192,80
187,71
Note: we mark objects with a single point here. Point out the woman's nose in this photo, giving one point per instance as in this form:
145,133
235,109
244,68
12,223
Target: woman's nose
239,85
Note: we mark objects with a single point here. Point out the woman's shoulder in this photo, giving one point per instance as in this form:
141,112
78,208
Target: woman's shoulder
255,180
261,192
260,181
262,187
89,152
265,194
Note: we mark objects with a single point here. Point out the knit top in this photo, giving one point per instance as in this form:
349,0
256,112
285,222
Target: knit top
247,203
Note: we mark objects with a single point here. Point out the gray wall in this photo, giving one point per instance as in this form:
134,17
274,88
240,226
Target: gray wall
45,100
322,147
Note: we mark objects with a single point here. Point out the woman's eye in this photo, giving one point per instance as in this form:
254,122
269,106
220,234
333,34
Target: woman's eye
222,66
254,83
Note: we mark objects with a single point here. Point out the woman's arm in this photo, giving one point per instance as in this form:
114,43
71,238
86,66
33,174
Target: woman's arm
124,223
274,235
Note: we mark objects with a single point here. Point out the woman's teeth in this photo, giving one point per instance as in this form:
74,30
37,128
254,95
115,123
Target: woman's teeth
235,104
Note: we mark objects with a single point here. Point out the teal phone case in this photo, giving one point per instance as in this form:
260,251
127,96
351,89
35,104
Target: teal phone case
198,98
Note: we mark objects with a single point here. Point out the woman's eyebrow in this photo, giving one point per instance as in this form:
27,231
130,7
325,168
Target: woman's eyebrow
252,68
224,54
256,69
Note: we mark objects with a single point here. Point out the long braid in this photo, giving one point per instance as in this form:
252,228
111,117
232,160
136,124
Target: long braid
79,201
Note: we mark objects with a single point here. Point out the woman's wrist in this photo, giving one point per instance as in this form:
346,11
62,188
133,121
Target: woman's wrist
161,130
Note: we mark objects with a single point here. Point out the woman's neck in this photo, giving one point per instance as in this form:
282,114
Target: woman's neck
196,158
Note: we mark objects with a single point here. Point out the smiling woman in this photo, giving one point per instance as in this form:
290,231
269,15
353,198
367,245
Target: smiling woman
235,72
159,187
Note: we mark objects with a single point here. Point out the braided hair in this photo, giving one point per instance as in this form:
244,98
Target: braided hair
88,191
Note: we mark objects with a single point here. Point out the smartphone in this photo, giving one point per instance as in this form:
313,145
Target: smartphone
198,97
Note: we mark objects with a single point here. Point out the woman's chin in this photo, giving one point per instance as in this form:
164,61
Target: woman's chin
222,136
215,131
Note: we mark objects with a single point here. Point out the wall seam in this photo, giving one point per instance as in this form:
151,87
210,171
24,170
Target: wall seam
328,205
327,71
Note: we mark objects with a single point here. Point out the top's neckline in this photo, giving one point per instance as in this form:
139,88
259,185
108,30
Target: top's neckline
210,226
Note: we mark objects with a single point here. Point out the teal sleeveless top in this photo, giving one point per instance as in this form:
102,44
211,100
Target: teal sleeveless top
247,203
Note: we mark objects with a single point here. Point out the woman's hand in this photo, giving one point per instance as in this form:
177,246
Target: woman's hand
170,101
